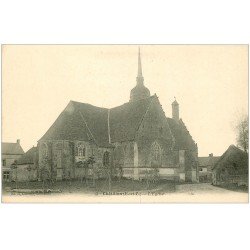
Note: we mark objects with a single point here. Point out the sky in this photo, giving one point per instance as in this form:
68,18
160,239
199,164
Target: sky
210,83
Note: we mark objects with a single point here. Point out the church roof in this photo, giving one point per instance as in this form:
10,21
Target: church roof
183,140
10,148
95,120
139,92
81,121
175,103
125,119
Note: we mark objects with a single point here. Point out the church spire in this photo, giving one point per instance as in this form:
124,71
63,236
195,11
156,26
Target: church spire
139,78
139,92
139,64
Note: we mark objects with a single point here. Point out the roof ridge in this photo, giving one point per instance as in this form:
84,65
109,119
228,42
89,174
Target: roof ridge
26,157
53,123
225,153
144,116
152,96
76,102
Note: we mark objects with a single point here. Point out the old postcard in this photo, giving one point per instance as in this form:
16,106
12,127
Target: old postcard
125,123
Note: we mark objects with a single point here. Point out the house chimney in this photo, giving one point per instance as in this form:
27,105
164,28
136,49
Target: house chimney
18,141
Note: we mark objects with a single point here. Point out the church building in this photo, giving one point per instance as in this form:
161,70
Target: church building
135,137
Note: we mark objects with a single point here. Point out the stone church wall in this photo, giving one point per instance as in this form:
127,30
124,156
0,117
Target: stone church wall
59,158
153,131
123,158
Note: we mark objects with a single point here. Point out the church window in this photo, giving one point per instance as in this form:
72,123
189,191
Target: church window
4,163
106,159
156,152
81,150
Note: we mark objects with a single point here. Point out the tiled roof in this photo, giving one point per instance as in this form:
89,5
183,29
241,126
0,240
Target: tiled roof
125,119
28,157
232,155
10,148
183,140
95,120
81,121
207,160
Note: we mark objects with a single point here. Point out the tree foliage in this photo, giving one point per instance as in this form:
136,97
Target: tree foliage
242,132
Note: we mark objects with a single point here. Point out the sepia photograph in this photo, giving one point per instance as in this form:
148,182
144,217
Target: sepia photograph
125,123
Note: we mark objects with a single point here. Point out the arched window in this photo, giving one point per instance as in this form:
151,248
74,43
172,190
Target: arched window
156,153
81,150
106,159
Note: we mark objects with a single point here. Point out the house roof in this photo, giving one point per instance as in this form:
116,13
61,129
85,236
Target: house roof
81,121
28,157
10,148
232,155
208,160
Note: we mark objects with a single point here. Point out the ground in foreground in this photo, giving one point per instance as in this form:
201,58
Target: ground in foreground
127,191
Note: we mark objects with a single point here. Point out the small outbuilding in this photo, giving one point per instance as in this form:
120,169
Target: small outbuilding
206,164
25,168
231,168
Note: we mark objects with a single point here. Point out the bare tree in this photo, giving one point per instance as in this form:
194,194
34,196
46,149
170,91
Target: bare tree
120,172
108,174
29,169
44,176
91,161
14,167
68,177
44,172
81,165
241,129
107,169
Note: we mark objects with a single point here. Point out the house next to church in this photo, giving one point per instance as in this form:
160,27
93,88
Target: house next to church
135,137
11,151
231,168
206,164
